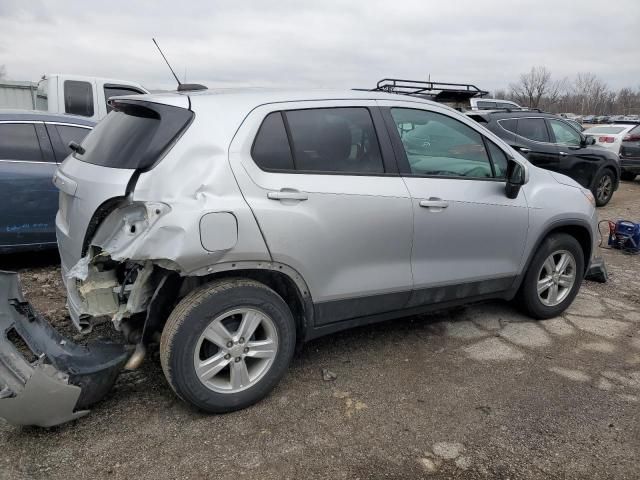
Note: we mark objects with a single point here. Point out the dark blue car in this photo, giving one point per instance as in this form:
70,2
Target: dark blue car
32,144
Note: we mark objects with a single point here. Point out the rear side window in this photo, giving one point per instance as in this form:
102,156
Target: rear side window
271,147
483,105
78,98
135,135
533,129
18,141
324,140
334,140
116,91
71,134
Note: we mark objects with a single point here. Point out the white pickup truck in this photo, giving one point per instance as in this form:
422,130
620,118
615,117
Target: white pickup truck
83,96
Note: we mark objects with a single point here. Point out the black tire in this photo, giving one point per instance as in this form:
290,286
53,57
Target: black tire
528,299
628,176
606,177
192,316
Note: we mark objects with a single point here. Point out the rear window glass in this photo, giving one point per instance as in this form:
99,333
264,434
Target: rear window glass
611,130
18,141
78,98
510,124
134,135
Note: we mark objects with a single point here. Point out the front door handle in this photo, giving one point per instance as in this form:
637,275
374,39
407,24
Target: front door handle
287,194
524,149
563,154
434,202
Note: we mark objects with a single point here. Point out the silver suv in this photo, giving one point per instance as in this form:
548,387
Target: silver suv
232,226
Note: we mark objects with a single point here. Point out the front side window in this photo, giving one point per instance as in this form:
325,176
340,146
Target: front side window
565,134
533,129
78,98
19,141
438,145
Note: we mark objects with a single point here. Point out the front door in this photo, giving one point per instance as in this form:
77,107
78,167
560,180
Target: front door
468,236
323,189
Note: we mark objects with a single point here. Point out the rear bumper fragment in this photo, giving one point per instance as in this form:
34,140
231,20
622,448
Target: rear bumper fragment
47,379
597,271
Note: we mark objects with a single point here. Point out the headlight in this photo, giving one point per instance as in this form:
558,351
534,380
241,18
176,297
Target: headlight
589,195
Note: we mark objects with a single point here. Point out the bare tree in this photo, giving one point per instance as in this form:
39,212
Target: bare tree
535,85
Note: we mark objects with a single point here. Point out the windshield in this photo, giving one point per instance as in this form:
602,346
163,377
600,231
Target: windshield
134,135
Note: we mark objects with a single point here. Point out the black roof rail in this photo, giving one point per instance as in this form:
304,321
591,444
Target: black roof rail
438,91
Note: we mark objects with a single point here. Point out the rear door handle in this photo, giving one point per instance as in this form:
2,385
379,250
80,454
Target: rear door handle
286,194
434,203
563,154
524,149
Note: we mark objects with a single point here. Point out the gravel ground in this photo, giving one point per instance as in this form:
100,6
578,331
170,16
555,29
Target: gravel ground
474,393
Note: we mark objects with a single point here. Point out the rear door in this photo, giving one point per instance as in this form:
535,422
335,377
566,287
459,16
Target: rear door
468,236
324,188
28,199
532,139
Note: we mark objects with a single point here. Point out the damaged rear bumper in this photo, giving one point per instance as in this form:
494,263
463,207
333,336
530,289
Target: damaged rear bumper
45,378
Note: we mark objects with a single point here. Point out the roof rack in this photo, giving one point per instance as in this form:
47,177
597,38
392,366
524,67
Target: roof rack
438,91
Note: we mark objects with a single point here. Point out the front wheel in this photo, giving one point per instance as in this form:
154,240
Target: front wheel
604,187
553,278
227,344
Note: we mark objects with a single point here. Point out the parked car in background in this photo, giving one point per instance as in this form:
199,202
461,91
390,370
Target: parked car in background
589,119
616,118
602,119
630,154
80,95
32,144
548,141
492,104
272,236
608,136
631,118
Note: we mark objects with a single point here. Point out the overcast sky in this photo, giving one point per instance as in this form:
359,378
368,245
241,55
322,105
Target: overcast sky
325,43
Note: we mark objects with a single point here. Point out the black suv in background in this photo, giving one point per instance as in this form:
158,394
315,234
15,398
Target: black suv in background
547,141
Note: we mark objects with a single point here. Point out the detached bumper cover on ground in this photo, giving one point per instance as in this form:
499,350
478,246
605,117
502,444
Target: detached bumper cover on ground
61,378
597,271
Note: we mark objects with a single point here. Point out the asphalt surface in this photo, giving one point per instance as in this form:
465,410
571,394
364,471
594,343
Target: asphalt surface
479,392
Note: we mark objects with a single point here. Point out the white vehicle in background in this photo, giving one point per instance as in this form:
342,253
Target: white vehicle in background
609,136
80,95
493,104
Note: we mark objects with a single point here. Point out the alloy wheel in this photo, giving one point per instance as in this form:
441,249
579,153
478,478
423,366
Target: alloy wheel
605,188
556,277
235,350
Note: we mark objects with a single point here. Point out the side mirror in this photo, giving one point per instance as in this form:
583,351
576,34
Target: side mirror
515,179
586,141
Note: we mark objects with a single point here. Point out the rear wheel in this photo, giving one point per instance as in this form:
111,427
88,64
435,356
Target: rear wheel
628,176
553,278
604,188
227,344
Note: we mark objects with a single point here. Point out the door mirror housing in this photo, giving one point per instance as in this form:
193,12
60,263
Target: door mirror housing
515,179
586,141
